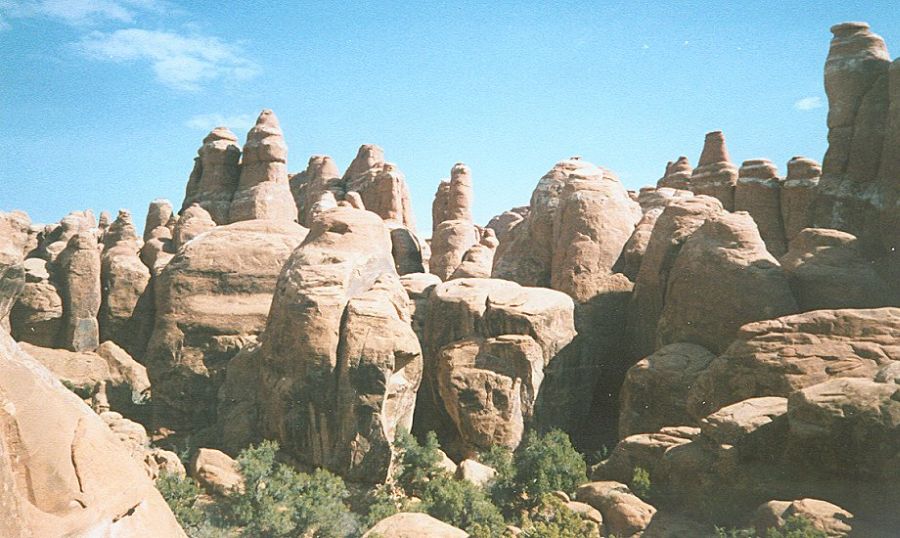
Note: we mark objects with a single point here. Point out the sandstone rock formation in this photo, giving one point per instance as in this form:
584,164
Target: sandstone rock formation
193,221
833,520
79,267
478,260
381,186
449,244
215,471
678,221
778,356
439,205
123,279
339,363
678,175
459,195
321,176
263,191
36,317
827,270
706,299
758,192
624,514
63,472
215,176
798,194
211,300
413,525
715,174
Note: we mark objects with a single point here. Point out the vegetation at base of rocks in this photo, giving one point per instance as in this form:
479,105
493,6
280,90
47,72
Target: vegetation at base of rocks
794,527
519,493
640,483
552,519
275,501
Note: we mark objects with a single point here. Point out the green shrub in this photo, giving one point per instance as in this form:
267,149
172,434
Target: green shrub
796,527
462,504
553,519
546,464
278,501
640,483
181,494
415,465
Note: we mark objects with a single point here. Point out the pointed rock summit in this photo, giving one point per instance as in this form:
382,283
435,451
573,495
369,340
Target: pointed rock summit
321,175
715,174
678,175
263,191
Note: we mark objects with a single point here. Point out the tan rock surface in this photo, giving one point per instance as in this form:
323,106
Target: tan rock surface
413,525
715,174
215,176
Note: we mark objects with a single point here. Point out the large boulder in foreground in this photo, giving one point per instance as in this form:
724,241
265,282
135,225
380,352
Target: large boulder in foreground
62,471
413,525
778,356
211,300
723,278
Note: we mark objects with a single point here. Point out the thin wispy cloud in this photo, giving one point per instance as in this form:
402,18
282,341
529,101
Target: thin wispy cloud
81,12
182,62
808,103
207,122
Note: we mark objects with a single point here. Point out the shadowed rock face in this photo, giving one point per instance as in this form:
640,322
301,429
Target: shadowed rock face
758,192
62,470
798,194
214,179
212,299
263,191
339,363
79,267
715,174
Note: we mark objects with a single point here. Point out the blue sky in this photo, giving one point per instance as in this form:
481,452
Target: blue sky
103,103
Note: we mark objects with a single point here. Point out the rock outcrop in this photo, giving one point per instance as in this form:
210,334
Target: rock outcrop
211,300
798,194
381,186
308,187
708,290
62,471
715,174
678,175
79,277
263,191
123,279
758,192
413,525
214,179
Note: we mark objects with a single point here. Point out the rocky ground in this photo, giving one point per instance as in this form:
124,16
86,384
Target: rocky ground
723,348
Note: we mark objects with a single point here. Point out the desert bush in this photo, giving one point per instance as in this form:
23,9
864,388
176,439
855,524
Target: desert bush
640,483
553,519
548,463
462,504
794,527
181,494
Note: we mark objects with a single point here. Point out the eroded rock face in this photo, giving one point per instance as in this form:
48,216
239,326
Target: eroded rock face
798,194
63,472
215,176
678,221
678,175
36,316
449,244
655,389
715,174
413,525
826,270
339,361
778,356
477,261
381,186
263,191
308,187
504,223
459,195
79,277
123,279
708,292
158,215
758,192
194,221
211,300
439,205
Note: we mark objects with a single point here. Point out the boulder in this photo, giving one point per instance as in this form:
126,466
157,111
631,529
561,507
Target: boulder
655,389
477,473
216,472
826,270
158,215
214,178
63,472
211,300
831,519
707,298
644,450
758,192
194,221
37,315
624,514
489,388
449,244
715,174
413,525
779,356
263,191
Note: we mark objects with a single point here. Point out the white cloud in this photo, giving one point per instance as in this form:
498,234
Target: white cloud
207,122
808,103
79,12
179,61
